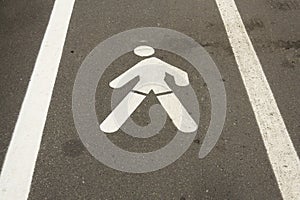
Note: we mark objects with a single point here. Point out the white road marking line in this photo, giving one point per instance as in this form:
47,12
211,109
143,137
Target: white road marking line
283,157
18,167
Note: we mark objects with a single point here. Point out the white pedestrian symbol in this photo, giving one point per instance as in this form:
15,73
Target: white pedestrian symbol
151,73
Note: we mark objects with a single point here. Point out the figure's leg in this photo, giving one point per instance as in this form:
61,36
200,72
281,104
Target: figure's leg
122,112
179,115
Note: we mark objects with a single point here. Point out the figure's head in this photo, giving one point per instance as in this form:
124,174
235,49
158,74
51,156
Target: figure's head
144,51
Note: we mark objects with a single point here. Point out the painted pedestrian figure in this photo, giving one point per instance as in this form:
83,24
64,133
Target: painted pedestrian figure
151,72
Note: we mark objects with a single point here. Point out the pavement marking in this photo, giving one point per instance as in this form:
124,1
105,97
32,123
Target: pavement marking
282,155
151,73
19,163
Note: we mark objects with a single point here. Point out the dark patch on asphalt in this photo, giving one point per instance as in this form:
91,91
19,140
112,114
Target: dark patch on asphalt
278,44
287,44
254,23
209,44
284,5
197,141
73,148
292,59
209,25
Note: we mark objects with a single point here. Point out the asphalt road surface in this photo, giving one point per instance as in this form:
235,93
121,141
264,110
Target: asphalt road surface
244,164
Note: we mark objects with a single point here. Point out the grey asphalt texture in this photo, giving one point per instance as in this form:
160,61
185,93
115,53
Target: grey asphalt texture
238,166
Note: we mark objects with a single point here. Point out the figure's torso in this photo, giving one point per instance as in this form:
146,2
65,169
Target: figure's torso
152,72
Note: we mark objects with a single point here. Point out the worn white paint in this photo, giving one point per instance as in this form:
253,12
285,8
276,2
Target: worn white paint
18,167
283,157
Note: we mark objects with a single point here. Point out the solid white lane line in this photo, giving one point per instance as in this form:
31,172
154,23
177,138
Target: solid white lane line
18,167
283,157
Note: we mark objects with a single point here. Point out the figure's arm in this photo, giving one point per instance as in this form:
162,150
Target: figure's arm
181,77
124,78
